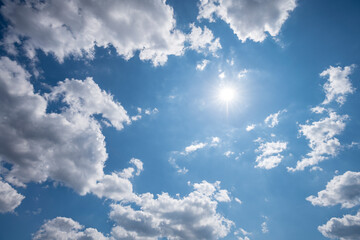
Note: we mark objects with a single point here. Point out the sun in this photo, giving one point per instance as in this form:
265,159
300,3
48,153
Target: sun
227,94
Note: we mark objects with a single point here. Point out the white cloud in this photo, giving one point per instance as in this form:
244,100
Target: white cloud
229,153
202,65
238,200
323,143
74,27
138,164
270,156
242,232
149,111
345,228
87,98
230,62
194,147
222,75
66,228
222,196
249,19
114,187
242,73
243,238
343,189
273,119
191,217
9,198
215,141
250,127
203,40
180,170
338,85
67,147
117,186
316,168
318,109
264,227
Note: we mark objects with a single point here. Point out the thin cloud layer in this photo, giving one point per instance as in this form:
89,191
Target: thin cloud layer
249,19
343,189
73,28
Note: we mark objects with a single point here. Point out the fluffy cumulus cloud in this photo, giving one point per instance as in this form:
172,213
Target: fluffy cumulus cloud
270,156
273,119
66,228
338,85
66,146
87,98
203,40
74,27
117,185
9,198
343,189
249,19
322,141
345,228
191,217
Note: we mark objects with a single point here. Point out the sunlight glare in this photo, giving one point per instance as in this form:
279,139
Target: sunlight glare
227,94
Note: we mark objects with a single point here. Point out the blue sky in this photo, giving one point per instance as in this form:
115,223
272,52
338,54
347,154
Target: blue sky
210,119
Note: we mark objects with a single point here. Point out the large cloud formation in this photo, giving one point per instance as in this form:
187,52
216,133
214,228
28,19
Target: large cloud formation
68,146
343,189
74,27
249,19
345,228
191,217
